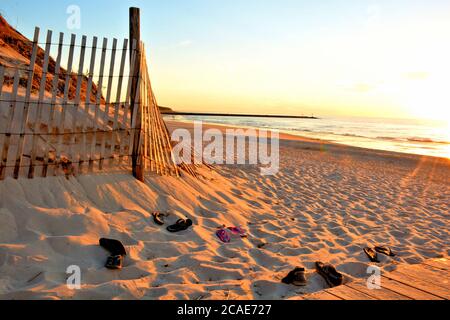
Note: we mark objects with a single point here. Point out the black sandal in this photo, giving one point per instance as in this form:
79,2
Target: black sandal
158,217
385,250
180,225
330,274
372,254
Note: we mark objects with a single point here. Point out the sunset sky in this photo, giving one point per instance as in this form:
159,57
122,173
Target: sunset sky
329,58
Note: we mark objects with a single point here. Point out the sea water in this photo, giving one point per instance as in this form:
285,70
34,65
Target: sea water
423,137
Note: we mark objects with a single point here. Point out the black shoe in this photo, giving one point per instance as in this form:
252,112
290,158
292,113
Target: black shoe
114,262
330,274
115,247
296,277
180,225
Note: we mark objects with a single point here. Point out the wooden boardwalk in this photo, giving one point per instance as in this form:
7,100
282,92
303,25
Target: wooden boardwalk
427,281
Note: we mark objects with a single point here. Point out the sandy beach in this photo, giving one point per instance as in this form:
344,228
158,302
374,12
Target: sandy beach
327,203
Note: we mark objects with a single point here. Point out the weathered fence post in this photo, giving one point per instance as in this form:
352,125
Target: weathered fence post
135,105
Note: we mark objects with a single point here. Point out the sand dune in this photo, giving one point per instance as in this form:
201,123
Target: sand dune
326,203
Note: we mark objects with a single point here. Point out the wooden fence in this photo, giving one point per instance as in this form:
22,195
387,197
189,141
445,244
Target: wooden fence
56,118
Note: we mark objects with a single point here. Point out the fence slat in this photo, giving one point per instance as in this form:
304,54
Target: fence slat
87,107
153,153
2,137
127,109
37,123
134,114
51,119
156,119
159,153
107,104
114,134
26,107
2,77
97,105
155,147
11,111
145,120
74,148
62,120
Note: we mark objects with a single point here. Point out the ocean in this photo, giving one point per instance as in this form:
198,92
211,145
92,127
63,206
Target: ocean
423,137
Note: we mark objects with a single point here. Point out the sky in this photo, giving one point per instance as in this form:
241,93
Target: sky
327,58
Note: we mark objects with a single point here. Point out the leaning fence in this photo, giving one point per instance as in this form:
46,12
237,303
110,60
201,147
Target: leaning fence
75,114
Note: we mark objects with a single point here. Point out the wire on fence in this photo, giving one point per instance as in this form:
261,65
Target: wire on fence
60,74
67,133
69,45
68,104
72,162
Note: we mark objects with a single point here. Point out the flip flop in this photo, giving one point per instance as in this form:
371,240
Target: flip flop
238,231
385,250
330,274
371,253
295,277
158,217
180,225
223,235
115,247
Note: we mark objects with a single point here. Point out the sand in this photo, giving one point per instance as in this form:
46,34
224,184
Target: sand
326,203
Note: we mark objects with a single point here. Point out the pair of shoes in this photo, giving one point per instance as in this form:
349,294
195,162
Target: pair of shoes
224,233
117,251
372,252
327,271
180,225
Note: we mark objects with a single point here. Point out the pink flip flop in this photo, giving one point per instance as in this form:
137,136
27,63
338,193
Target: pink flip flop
238,231
223,235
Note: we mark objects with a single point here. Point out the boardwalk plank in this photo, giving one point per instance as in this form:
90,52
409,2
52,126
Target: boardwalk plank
382,293
346,293
406,290
422,273
437,274
442,263
444,274
322,295
421,284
